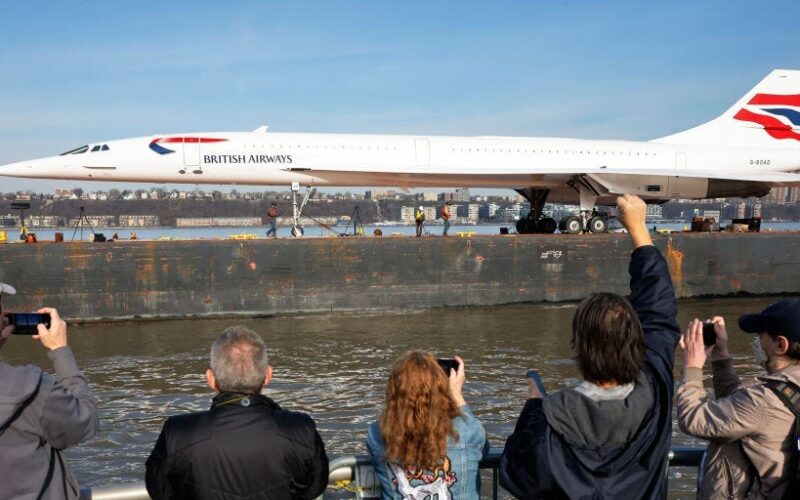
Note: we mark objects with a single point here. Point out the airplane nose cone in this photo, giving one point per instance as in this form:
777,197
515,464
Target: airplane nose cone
19,169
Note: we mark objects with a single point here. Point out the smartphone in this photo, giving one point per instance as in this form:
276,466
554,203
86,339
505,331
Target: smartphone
709,335
447,364
25,323
534,375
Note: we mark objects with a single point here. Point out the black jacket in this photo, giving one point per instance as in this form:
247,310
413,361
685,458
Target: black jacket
539,462
243,447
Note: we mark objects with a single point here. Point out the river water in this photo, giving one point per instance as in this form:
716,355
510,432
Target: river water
335,368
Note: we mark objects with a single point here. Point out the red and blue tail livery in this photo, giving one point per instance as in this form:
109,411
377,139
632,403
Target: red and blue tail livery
154,145
774,121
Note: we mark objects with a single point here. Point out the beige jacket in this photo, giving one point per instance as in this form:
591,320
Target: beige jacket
749,429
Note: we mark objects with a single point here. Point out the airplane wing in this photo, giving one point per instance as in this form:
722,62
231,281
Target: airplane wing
514,176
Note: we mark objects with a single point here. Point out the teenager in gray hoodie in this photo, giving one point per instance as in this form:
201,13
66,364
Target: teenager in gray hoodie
40,415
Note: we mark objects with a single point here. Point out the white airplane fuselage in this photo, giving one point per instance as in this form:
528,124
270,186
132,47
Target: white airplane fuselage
266,158
750,148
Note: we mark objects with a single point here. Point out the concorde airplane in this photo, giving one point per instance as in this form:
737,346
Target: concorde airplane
750,148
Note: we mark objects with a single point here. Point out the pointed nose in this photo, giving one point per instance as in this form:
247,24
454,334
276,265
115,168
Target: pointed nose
18,169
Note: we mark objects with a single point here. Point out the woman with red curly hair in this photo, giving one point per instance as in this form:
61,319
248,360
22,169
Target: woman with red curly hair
426,442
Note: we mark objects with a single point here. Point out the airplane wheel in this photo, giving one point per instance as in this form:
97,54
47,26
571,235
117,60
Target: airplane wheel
297,231
571,225
547,225
526,226
598,225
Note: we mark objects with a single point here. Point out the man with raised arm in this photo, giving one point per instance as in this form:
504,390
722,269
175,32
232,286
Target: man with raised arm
609,436
40,415
245,446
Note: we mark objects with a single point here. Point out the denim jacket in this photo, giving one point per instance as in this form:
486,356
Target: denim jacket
458,478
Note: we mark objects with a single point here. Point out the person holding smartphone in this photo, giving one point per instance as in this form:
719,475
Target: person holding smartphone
40,415
427,442
609,436
751,426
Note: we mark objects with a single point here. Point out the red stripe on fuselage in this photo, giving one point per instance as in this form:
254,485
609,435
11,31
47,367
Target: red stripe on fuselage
203,140
773,126
771,99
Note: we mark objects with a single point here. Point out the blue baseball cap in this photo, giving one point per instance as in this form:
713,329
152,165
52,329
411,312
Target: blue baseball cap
781,318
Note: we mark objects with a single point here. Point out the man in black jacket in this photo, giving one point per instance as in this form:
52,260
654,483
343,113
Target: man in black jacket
608,437
245,446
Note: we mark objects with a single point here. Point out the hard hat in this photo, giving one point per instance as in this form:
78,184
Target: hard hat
420,207
7,289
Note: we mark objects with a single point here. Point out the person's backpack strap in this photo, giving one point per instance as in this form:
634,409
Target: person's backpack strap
789,394
22,407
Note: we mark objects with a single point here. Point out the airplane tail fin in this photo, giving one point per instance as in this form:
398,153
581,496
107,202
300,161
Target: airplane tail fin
767,116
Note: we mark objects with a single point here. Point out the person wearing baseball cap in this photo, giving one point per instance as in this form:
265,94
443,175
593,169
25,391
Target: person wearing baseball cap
752,428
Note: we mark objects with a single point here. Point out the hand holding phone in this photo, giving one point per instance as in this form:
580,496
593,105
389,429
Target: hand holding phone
709,334
27,323
448,364
537,379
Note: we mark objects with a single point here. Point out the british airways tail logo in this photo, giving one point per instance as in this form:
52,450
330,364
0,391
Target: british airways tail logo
777,114
155,144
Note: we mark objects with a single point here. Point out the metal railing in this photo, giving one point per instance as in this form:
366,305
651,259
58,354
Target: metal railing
354,474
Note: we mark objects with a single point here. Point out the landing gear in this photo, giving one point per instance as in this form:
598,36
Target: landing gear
297,225
570,225
586,222
542,226
534,222
598,224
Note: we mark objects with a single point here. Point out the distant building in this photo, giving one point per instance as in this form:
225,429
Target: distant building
139,221
218,222
711,214
407,215
461,194
95,221
777,195
473,212
428,196
655,212
793,196
741,209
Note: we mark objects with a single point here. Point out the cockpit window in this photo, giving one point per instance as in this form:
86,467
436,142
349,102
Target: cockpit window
96,149
105,147
76,151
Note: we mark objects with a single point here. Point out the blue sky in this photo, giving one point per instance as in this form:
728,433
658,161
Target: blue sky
79,72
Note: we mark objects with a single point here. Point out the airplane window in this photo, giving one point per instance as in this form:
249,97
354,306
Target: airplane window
76,151
104,148
95,149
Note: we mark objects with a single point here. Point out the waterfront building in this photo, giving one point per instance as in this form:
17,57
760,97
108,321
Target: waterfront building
655,212
139,220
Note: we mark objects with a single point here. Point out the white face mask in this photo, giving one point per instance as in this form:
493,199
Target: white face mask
759,354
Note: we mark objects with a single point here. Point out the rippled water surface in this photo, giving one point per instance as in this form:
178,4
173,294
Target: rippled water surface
333,367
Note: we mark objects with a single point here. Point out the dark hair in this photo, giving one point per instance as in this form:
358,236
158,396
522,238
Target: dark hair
794,347
607,339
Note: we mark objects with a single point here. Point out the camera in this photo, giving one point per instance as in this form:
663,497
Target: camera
25,323
448,364
709,335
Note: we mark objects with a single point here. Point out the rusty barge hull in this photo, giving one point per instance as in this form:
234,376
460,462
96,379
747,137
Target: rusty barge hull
178,279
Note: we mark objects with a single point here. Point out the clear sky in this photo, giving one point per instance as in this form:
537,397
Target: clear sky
78,72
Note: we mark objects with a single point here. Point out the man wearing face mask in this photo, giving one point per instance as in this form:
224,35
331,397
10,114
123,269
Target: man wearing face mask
753,449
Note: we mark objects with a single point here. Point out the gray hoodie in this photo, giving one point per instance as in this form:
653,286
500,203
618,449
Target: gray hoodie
60,413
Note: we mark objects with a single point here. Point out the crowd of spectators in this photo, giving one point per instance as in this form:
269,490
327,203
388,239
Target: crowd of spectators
606,437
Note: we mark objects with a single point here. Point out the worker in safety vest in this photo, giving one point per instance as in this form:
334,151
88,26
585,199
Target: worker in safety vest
419,218
446,217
